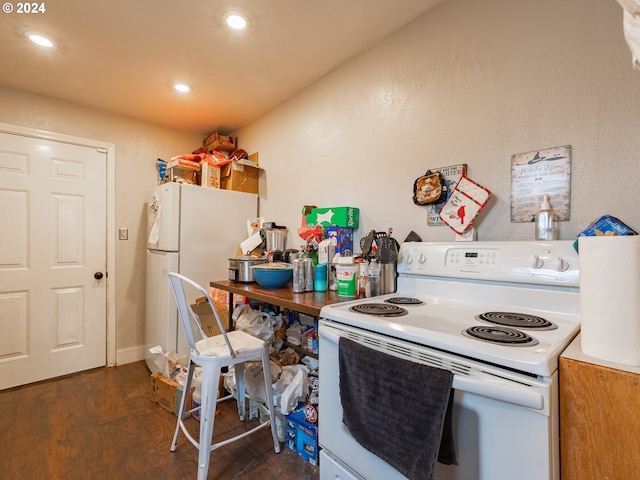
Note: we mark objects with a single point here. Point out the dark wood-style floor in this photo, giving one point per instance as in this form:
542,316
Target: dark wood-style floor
101,424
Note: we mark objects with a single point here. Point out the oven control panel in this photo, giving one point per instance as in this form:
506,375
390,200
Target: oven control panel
549,263
473,258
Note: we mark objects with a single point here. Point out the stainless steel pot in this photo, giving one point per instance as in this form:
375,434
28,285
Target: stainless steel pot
240,268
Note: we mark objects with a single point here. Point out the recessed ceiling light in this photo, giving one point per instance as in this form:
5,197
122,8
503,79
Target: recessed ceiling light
236,20
181,87
39,40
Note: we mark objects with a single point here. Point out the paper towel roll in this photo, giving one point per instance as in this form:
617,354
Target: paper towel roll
610,298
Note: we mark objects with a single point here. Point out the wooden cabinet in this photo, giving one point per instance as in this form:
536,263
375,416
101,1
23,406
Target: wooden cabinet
599,418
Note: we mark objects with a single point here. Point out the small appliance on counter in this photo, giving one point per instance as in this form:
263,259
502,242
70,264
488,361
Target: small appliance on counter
240,268
275,239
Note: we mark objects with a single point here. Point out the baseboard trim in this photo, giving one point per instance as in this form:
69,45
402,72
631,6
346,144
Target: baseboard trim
129,355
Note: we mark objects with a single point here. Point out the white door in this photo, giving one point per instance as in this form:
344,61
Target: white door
52,254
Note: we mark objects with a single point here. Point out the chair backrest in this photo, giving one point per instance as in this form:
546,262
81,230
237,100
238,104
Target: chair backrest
186,313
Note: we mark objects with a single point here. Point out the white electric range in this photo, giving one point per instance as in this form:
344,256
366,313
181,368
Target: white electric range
496,314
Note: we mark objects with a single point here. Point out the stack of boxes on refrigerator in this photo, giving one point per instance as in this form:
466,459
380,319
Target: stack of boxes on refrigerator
219,163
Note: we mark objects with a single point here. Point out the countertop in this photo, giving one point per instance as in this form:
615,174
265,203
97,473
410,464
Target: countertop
574,352
309,303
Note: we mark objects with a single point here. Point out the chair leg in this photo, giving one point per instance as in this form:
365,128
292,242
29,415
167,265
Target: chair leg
183,404
210,383
238,370
266,364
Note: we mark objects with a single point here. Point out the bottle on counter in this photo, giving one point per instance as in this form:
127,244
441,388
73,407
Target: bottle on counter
546,228
320,281
362,289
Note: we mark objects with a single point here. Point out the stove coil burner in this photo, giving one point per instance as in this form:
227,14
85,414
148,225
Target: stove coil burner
501,335
517,320
379,309
404,301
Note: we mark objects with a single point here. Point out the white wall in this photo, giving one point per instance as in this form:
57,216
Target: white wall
469,82
137,146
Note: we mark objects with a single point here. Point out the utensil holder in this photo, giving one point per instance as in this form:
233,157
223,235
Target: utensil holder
388,278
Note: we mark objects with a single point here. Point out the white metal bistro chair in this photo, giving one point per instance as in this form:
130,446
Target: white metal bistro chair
212,354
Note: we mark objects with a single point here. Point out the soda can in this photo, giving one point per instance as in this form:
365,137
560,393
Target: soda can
309,273
299,275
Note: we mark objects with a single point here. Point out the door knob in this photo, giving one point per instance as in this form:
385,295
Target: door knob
98,275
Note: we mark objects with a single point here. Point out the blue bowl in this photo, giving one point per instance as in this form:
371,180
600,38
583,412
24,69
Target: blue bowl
273,275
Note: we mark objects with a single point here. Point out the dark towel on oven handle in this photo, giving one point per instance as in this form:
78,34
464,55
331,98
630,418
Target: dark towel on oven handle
397,409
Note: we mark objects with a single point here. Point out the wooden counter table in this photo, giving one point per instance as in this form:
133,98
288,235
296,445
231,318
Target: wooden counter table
309,303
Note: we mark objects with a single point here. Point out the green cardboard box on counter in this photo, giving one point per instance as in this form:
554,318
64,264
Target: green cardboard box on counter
346,217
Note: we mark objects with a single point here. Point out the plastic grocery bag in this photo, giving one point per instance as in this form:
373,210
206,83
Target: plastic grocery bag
171,365
254,322
291,387
253,379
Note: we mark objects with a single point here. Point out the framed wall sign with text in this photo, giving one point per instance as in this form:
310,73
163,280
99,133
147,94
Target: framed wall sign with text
534,174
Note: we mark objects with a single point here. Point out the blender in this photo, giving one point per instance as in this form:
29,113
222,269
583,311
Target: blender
276,238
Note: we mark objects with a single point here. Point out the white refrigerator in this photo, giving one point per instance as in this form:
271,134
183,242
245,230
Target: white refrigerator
194,231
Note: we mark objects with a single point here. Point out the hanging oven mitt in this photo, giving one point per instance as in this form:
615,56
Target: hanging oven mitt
466,201
428,188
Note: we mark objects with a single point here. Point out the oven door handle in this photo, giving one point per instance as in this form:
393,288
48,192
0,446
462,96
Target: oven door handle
498,391
485,387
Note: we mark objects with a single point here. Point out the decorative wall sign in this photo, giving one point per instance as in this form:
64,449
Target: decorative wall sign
534,174
452,175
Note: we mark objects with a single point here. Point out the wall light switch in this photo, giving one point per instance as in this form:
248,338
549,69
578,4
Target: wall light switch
123,233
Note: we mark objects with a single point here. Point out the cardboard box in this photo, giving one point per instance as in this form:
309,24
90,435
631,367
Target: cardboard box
344,240
240,176
306,210
167,393
208,320
182,174
346,217
301,437
326,250
210,176
215,141
254,158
